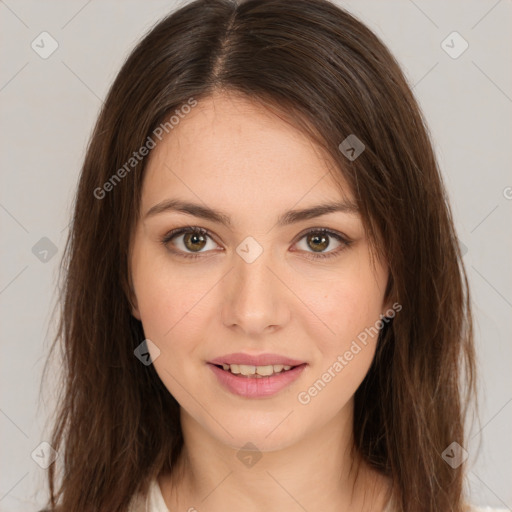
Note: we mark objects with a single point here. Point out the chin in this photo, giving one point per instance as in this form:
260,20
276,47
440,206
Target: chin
266,431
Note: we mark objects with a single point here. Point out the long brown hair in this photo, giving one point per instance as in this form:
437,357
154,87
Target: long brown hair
117,426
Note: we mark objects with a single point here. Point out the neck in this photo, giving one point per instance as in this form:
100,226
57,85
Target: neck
321,472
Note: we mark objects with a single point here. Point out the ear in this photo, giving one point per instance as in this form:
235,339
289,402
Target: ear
389,301
133,303
135,310
388,310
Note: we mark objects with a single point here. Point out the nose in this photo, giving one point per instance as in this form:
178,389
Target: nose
255,298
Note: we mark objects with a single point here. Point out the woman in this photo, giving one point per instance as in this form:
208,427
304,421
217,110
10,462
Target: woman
265,306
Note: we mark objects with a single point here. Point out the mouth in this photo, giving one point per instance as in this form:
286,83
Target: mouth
256,372
251,381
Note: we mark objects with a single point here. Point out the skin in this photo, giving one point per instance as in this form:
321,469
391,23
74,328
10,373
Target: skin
231,154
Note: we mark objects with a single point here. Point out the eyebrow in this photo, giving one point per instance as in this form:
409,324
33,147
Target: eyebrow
285,219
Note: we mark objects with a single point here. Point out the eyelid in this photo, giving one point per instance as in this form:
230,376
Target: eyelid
343,239
322,229
340,237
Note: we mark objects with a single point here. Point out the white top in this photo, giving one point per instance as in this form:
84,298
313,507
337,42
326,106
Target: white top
155,502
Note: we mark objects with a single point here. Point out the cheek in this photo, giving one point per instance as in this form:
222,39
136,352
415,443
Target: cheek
167,300
169,307
344,308
344,355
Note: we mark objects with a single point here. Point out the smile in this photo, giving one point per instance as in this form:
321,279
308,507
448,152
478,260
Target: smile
247,370
256,381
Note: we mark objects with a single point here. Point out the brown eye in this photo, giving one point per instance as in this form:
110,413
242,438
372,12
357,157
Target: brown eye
188,242
194,241
318,242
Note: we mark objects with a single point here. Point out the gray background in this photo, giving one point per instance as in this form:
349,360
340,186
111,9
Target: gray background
48,107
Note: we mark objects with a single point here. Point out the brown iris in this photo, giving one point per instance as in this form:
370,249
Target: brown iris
318,239
197,241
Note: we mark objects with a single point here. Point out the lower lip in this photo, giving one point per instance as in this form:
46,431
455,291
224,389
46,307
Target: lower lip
252,387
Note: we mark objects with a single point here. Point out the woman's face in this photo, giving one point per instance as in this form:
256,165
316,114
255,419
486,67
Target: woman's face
255,283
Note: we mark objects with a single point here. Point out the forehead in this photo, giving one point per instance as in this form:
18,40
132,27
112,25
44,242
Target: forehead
229,145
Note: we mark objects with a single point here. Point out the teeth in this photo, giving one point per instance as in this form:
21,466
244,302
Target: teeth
257,371
246,369
265,370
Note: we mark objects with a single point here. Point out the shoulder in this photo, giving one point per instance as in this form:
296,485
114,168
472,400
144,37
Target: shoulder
486,509
468,508
152,502
138,503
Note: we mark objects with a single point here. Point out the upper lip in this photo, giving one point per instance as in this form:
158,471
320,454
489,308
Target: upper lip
256,360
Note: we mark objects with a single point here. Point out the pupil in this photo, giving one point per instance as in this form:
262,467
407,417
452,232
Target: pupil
194,237
323,239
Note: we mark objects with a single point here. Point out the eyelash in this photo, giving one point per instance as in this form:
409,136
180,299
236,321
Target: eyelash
204,232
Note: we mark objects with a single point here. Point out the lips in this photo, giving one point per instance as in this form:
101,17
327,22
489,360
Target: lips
256,376
255,360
